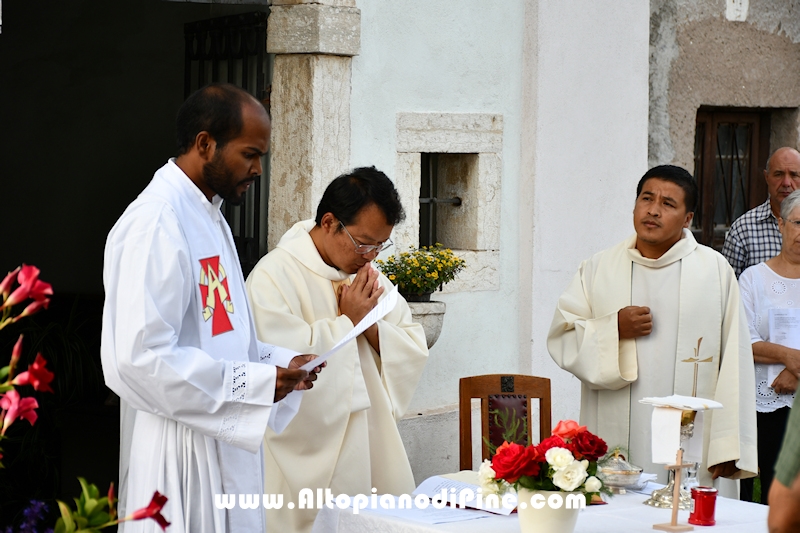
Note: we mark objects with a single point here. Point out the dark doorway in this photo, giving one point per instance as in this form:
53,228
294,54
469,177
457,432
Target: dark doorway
233,49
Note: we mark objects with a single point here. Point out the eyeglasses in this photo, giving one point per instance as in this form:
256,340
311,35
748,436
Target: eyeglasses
795,223
364,249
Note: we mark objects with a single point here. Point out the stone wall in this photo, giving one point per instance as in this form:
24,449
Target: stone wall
700,58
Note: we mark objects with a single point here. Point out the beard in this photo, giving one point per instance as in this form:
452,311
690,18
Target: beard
220,179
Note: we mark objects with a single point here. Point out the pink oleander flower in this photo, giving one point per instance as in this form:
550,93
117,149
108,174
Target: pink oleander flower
15,355
30,286
16,407
5,286
111,500
153,510
33,307
36,376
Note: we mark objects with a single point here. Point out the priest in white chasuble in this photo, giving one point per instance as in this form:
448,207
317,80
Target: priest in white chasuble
178,344
307,294
630,322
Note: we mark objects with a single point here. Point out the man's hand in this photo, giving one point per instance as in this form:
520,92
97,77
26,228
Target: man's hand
286,380
300,360
358,299
785,383
634,321
726,469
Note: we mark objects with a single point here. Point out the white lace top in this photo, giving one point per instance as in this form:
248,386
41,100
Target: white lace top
762,289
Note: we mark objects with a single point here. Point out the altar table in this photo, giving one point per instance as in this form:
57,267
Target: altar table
623,513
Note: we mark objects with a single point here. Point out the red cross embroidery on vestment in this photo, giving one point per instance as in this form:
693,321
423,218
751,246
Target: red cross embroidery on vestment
215,295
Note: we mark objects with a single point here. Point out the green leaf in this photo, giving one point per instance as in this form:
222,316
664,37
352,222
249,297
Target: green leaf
4,371
66,517
99,518
89,507
5,388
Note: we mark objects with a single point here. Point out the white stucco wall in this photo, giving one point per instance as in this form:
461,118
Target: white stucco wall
586,129
570,80
445,56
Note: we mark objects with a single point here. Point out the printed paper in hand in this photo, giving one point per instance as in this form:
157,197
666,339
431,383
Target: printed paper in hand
784,329
378,312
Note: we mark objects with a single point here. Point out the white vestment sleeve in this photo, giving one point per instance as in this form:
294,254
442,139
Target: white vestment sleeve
733,428
589,347
147,276
284,411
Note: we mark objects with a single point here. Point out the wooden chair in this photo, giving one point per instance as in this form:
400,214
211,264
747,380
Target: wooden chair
505,392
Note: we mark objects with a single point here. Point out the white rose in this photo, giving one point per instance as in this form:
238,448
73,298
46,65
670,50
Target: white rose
486,478
570,477
559,458
593,484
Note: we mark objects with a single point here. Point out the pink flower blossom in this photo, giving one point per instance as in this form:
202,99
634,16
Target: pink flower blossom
153,510
33,307
16,407
112,511
37,375
5,286
30,286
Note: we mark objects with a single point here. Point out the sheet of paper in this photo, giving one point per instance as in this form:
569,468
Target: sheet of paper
429,515
683,402
784,329
666,434
433,487
379,311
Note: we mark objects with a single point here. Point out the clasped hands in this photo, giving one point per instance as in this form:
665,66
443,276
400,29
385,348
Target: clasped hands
359,298
355,301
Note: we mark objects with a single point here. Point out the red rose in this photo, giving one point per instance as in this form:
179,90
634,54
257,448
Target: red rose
513,461
589,446
553,441
567,429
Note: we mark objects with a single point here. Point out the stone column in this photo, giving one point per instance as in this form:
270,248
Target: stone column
313,43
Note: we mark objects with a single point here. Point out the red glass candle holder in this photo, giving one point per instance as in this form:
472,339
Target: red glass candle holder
704,500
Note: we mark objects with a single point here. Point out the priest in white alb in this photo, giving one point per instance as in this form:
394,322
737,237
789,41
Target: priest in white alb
630,321
307,294
179,347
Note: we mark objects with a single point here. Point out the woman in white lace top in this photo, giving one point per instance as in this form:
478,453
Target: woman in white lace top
771,290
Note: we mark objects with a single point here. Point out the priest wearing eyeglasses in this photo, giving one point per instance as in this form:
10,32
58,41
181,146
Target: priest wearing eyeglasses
307,294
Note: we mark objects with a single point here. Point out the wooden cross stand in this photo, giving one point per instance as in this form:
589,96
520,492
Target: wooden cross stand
676,497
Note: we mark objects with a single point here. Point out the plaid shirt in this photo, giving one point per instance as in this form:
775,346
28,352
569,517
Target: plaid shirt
753,238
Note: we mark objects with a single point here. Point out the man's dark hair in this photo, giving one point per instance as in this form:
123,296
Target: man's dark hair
677,175
217,109
350,193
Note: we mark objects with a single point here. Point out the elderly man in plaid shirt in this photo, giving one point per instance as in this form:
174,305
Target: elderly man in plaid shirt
754,236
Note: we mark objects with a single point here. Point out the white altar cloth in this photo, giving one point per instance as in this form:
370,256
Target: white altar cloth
623,513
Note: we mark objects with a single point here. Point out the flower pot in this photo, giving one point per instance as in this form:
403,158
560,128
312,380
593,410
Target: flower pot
547,519
424,297
431,316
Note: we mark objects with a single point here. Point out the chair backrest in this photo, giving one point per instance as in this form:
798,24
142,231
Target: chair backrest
502,394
